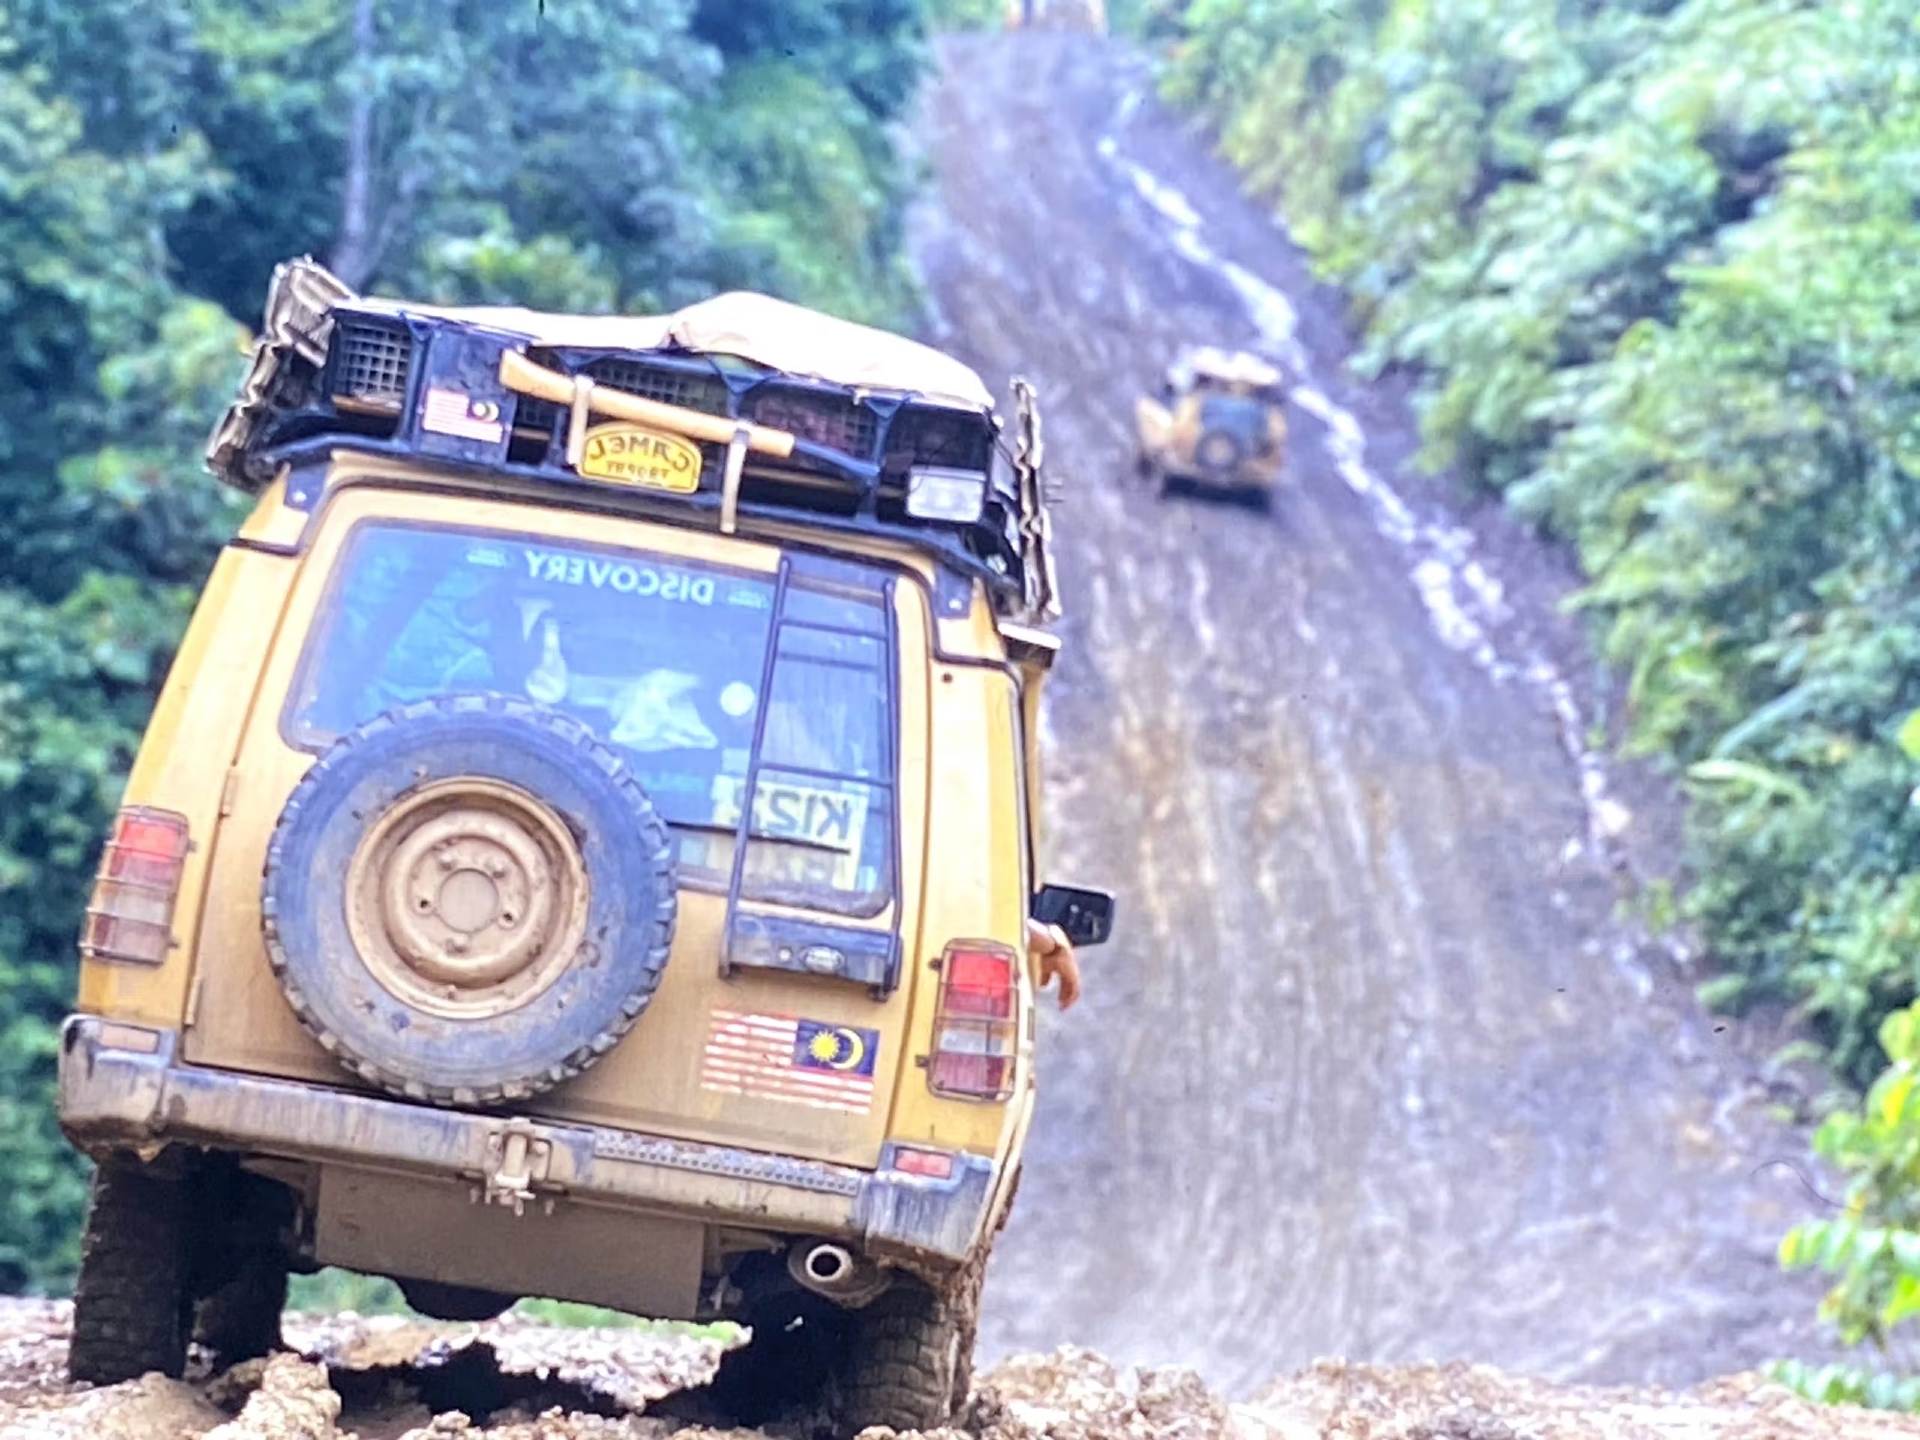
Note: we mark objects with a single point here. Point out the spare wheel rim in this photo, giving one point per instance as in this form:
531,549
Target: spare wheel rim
1218,451
468,898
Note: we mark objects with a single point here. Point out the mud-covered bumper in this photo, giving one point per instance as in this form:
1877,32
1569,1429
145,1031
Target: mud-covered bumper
1253,475
120,1087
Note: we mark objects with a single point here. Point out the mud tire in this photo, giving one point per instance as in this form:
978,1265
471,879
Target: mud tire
907,1359
240,1320
132,1308
237,1259
554,1035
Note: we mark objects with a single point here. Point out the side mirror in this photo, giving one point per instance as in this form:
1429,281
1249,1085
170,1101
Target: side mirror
1085,915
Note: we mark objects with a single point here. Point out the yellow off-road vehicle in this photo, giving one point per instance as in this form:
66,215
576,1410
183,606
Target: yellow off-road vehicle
584,848
1219,424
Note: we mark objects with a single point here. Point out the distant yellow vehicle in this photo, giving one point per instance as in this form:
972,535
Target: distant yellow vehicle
1218,424
1057,15
586,847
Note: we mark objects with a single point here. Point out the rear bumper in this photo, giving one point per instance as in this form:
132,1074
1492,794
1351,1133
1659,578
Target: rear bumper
1251,476
1257,473
115,1094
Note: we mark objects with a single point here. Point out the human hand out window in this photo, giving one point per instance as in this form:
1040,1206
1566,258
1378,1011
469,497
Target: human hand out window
1051,955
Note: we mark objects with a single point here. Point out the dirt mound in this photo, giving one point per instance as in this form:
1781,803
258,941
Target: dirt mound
1337,1401
373,1378
387,1379
146,1409
1076,1395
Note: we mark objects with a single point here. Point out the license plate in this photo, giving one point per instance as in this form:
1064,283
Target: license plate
772,863
634,455
831,823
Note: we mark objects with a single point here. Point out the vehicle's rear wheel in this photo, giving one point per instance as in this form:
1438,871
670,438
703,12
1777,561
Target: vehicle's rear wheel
237,1258
240,1319
907,1359
132,1301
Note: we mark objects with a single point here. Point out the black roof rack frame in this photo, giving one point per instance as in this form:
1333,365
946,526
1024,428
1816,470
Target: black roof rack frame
367,395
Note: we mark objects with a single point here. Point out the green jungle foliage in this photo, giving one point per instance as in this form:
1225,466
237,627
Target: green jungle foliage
968,14
156,161
1872,1246
1655,263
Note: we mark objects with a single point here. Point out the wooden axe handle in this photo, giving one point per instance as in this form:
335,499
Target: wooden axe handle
522,376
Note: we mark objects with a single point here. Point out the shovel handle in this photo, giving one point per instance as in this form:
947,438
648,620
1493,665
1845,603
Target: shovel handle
522,376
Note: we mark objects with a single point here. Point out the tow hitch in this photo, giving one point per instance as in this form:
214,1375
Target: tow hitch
518,1156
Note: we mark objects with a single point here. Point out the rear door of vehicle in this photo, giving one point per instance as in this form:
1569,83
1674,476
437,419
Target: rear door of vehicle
780,1026
802,681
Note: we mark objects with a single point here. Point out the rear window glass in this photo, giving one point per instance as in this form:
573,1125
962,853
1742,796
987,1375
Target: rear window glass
666,661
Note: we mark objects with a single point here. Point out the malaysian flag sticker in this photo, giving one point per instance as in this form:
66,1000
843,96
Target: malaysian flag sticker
780,1057
452,413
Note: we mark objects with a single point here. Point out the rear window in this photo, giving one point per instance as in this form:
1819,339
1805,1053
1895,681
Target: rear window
666,660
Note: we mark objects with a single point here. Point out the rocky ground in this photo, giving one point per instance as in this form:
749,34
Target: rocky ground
393,1379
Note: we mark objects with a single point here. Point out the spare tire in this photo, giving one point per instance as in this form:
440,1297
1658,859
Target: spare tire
1219,452
469,900
1231,429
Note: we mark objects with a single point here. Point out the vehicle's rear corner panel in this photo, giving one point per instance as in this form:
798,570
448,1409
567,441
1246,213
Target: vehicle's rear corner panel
184,765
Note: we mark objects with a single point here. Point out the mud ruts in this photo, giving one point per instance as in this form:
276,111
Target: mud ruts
1372,1069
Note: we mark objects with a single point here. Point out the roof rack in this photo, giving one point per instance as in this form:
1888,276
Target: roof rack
1236,366
675,427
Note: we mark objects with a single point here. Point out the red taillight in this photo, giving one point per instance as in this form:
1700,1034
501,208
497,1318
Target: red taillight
976,1077
930,1164
977,982
973,1027
130,917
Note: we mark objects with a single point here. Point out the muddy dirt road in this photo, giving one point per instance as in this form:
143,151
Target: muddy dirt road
1371,1071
